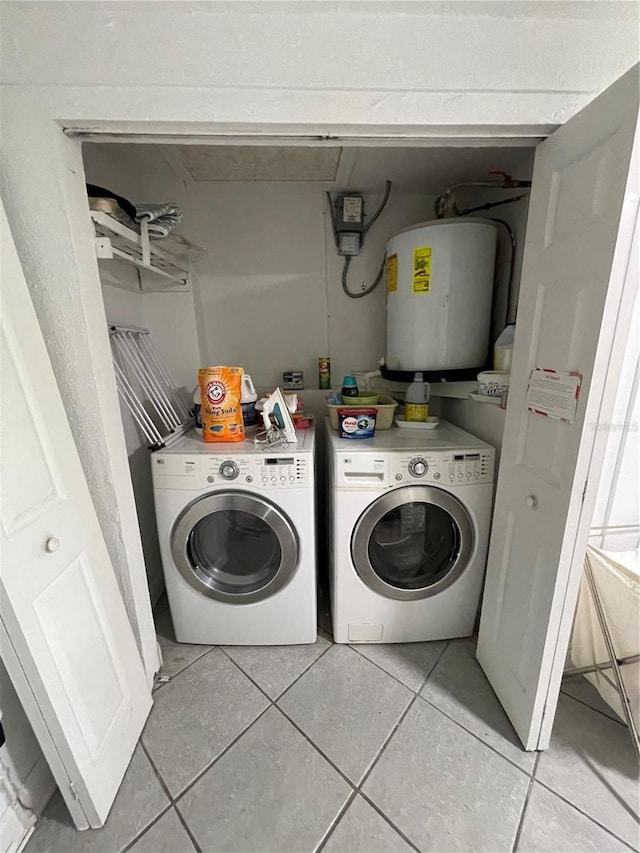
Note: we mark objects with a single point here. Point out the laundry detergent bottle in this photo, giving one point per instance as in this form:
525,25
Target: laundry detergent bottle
417,399
248,402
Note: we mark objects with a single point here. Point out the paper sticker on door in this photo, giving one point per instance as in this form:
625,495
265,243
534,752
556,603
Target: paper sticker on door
421,274
392,274
554,393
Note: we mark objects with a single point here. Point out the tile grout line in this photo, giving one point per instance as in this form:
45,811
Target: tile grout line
163,784
525,804
246,675
595,710
435,664
261,689
586,814
395,728
142,832
356,789
159,685
333,826
381,668
220,755
315,746
388,820
187,829
477,737
304,672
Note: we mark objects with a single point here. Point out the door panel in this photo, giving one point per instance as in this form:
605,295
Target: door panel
68,645
582,213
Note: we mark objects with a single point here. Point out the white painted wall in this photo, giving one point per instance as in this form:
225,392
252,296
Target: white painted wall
170,317
269,296
370,63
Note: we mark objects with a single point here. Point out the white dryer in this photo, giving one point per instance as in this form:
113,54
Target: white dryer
411,515
236,524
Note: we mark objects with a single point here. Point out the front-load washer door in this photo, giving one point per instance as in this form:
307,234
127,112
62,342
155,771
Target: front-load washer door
412,542
235,547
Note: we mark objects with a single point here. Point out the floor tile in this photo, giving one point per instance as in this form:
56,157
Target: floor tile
274,668
554,826
348,707
410,663
459,687
139,800
197,715
362,830
444,788
175,656
582,690
168,835
272,791
591,763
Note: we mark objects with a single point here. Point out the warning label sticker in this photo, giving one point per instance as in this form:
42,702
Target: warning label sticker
421,274
392,273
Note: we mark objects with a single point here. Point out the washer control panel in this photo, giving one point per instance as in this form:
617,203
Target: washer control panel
365,469
175,471
447,467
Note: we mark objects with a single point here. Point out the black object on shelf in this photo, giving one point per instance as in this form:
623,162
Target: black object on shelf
466,374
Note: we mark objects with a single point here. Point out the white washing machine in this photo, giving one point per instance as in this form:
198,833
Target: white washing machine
236,524
411,515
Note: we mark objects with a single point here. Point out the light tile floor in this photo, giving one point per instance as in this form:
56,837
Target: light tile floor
374,749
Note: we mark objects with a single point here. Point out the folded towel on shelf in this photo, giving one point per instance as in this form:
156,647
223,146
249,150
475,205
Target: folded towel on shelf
161,218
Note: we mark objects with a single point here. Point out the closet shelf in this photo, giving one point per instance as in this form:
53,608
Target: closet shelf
115,241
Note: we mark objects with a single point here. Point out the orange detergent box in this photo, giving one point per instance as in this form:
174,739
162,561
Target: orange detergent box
221,391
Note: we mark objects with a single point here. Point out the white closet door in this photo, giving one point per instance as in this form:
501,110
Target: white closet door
66,640
578,279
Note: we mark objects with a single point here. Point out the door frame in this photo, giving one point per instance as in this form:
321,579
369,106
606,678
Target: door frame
103,446
84,271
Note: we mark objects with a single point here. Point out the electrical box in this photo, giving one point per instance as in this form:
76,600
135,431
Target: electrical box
349,223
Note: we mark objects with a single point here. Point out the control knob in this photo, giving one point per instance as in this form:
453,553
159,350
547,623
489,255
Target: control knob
418,467
229,470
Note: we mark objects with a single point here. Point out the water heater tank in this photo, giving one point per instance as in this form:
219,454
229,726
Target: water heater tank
439,295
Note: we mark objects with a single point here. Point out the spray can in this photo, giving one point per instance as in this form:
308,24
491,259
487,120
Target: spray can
324,374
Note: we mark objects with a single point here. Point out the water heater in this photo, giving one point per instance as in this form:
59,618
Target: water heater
439,295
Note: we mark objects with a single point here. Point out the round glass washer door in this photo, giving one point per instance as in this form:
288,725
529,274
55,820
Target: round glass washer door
235,547
412,543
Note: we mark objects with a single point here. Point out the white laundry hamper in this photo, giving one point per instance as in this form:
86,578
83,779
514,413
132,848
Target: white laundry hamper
617,578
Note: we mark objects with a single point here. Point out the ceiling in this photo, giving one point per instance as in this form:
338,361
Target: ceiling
415,170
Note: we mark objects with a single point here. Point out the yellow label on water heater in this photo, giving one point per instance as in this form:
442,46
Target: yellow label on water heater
421,273
392,273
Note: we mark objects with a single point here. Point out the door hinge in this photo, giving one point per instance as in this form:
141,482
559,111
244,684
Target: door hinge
584,490
74,792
